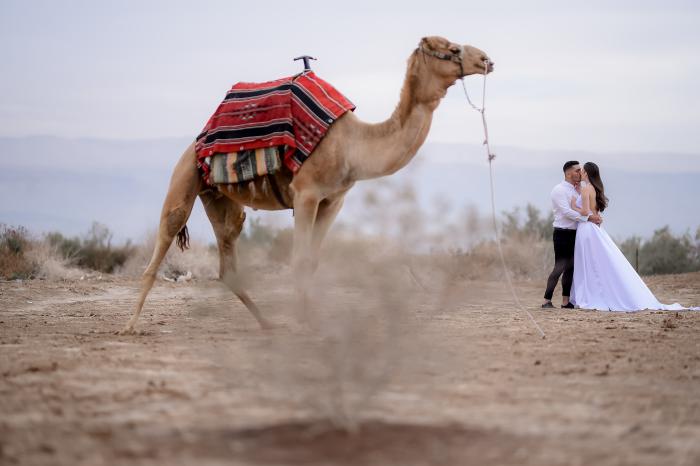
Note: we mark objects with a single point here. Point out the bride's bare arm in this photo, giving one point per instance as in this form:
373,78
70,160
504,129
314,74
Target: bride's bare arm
586,196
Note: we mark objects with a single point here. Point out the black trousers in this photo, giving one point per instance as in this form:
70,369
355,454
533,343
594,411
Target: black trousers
564,244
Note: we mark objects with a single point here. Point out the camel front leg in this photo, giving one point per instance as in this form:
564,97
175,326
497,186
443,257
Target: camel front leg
327,212
305,212
182,192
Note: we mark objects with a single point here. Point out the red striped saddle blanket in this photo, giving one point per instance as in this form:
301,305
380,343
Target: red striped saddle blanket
293,112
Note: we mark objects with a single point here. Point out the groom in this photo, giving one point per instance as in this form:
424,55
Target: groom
566,221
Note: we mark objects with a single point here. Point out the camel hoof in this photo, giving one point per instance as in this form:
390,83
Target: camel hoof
128,330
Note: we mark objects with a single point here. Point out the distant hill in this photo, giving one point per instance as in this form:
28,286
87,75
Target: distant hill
49,183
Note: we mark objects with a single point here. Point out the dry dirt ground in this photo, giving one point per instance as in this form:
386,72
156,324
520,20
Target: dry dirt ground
201,384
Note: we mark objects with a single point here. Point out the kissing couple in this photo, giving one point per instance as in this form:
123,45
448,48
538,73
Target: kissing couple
595,274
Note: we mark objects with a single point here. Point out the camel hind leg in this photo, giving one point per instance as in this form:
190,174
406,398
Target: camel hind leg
185,183
227,217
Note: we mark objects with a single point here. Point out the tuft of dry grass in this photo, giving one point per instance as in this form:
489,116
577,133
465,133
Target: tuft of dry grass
23,256
200,260
14,244
51,265
92,251
526,259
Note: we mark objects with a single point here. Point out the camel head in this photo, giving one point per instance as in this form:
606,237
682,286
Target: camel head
453,61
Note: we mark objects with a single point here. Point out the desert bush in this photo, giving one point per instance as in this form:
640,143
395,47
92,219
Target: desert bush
532,226
22,256
97,252
15,242
68,248
663,252
666,253
50,263
630,248
526,244
94,251
527,258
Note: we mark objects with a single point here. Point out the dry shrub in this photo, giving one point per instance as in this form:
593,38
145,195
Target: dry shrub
51,264
526,258
22,256
15,242
665,253
94,251
201,260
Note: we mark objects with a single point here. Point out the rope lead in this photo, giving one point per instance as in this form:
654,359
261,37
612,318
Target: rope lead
491,157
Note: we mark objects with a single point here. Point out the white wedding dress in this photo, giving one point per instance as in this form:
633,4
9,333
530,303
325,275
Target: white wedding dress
603,277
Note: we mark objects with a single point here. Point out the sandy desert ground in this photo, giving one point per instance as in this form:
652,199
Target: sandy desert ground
465,382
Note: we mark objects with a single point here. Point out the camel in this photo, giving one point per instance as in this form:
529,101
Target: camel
351,151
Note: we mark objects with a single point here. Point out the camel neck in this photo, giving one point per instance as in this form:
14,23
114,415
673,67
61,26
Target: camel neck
389,146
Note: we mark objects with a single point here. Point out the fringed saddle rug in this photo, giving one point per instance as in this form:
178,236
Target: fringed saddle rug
236,167
290,115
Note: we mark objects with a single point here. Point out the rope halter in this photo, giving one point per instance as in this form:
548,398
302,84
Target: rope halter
454,57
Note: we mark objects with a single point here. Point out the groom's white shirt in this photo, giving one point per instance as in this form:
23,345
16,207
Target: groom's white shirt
564,215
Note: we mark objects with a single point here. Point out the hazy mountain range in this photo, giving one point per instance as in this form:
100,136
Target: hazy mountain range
49,183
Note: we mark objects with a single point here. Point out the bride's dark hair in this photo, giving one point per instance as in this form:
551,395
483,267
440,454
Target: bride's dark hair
594,178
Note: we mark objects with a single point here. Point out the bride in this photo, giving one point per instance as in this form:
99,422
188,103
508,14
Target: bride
603,277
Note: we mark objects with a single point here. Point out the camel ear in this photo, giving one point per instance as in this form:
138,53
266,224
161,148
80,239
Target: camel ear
434,42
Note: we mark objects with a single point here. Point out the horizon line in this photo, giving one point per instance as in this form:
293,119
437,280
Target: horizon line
428,142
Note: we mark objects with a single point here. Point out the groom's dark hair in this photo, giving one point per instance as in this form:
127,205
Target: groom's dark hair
570,164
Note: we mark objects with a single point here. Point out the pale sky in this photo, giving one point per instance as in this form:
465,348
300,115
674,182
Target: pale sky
599,76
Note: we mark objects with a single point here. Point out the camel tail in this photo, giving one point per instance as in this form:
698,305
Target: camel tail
183,238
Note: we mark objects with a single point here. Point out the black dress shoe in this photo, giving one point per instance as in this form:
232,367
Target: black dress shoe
567,306
548,305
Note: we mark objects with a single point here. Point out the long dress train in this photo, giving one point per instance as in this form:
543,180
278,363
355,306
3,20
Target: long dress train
604,279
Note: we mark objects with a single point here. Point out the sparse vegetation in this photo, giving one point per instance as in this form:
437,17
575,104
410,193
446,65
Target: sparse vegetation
667,253
353,346
94,251
526,236
526,242
533,225
57,256
14,261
